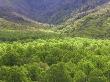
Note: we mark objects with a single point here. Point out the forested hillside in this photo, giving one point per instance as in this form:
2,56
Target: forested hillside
11,31
95,24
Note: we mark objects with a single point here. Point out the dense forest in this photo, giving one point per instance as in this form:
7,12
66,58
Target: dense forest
55,60
42,54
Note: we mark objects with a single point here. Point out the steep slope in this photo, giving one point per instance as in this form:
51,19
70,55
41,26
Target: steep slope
95,24
49,11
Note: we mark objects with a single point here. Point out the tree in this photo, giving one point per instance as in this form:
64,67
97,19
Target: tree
34,72
13,74
58,73
97,76
79,76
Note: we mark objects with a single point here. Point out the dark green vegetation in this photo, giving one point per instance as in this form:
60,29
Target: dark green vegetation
10,31
29,35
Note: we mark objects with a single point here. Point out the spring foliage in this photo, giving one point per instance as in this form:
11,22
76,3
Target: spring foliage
55,60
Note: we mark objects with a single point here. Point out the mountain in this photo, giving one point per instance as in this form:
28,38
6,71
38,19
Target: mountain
46,11
94,24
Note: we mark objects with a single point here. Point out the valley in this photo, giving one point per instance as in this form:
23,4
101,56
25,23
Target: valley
54,41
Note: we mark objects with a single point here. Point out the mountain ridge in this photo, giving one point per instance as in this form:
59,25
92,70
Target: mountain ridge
47,11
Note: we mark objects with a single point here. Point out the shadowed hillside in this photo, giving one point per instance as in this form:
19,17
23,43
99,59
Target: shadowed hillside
49,11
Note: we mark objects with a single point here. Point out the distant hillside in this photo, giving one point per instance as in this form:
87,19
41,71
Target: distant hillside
47,11
12,31
95,24
7,24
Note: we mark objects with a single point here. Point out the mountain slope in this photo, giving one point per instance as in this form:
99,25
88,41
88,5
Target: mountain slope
11,31
95,24
8,24
49,11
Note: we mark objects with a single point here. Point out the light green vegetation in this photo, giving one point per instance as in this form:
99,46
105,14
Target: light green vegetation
56,60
